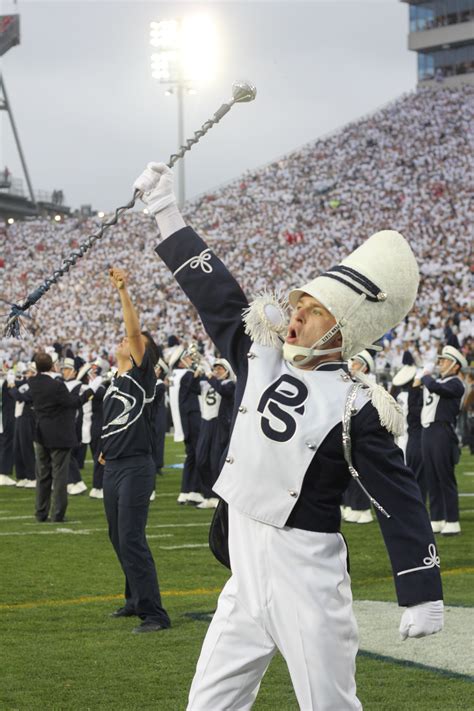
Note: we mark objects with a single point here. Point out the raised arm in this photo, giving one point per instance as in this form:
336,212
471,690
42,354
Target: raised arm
452,388
119,279
203,277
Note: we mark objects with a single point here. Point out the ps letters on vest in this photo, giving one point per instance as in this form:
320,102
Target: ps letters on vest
290,397
285,415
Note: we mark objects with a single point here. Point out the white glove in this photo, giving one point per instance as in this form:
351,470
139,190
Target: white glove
10,377
422,620
428,368
419,374
156,184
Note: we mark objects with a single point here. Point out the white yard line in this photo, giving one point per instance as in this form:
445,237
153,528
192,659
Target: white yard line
450,649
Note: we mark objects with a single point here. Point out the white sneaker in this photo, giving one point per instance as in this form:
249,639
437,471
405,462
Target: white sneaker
77,488
7,480
21,483
208,504
365,517
452,528
437,526
352,516
194,497
96,494
153,496
345,511
30,484
182,498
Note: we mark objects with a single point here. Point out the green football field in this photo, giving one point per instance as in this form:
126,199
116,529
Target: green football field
60,649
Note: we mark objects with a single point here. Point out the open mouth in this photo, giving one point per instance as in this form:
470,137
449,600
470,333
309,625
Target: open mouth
291,336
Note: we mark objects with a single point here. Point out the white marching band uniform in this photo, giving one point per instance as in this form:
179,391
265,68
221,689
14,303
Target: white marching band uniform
297,438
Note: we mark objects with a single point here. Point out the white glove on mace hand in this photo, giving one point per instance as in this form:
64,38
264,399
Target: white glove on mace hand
156,184
422,620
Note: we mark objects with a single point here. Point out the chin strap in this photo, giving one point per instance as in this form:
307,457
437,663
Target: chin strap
443,375
298,355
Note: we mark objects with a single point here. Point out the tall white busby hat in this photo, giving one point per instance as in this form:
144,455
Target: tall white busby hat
453,354
370,292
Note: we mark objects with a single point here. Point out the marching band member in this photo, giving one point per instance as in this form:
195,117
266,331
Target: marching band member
25,465
441,406
129,476
185,410
220,397
403,383
301,428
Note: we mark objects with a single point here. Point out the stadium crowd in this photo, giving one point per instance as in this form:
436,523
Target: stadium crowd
406,167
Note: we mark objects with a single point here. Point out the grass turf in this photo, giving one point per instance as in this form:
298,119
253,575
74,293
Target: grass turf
61,651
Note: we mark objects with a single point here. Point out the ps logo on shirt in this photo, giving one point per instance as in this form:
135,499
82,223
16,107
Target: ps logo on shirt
281,400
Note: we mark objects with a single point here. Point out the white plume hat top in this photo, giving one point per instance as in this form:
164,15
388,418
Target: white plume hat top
453,354
369,292
404,376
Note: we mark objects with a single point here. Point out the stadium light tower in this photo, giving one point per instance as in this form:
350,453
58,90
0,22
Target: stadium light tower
184,56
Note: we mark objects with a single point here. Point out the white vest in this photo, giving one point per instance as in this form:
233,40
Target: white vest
284,416
175,380
209,401
430,403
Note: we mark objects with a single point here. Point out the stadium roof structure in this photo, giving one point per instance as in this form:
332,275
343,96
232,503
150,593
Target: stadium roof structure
442,34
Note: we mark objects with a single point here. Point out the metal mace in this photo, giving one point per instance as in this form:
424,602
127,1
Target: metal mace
242,92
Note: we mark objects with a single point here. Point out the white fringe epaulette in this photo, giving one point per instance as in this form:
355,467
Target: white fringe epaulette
390,412
266,319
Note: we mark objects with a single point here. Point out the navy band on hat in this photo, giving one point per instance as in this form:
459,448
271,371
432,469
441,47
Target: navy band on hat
374,293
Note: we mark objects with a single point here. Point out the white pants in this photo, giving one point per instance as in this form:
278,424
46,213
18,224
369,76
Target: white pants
290,591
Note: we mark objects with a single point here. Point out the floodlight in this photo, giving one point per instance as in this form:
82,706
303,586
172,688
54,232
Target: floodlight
57,218
10,220
198,48
184,53
101,214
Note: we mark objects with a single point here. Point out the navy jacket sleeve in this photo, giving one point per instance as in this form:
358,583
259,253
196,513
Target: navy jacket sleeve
21,393
225,389
213,291
451,389
407,533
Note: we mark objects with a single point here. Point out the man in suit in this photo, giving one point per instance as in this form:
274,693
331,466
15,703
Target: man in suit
55,436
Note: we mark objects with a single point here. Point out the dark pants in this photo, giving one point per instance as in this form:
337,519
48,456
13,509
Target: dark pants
414,460
24,448
6,446
52,471
208,456
98,474
191,480
74,475
439,449
128,484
